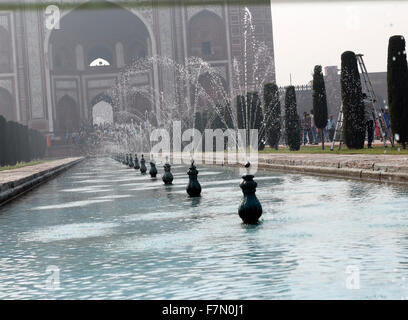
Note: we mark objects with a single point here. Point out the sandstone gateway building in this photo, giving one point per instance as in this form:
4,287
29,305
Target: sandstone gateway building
50,78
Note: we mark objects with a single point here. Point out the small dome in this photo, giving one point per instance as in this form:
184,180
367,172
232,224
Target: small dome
99,63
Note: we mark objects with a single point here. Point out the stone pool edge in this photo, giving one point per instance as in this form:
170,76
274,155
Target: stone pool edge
376,173
342,173
11,190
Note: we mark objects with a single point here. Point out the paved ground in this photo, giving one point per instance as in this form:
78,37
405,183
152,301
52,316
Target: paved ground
386,163
22,173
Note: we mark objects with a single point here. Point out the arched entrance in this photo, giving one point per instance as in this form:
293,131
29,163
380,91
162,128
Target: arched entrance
67,119
102,113
107,36
207,36
7,105
98,30
101,110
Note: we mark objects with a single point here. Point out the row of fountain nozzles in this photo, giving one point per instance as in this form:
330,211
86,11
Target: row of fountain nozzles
250,209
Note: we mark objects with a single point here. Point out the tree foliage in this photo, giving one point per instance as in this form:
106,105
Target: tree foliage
19,144
272,114
320,113
353,105
250,115
397,82
292,121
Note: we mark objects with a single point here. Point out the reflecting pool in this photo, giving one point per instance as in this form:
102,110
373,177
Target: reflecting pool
103,231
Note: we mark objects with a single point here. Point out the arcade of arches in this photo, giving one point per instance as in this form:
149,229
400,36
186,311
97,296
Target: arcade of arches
89,47
93,46
84,57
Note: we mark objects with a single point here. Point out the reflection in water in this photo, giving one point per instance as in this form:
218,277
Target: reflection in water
116,234
195,202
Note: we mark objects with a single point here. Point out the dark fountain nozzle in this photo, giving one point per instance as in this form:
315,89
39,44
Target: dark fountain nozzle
131,164
143,168
136,165
153,169
167,176
250,209
193,187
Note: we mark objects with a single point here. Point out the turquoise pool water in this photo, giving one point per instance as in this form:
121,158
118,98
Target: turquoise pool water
102,231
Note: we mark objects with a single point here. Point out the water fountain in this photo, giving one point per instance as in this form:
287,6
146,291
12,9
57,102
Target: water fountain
153,169
131,164
190,100
167,176
250,209
143,168
193,187
137,165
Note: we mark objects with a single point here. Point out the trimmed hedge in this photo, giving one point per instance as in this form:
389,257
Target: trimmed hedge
18,143
272,114
250,115
319,101
397,81
354,128
292,120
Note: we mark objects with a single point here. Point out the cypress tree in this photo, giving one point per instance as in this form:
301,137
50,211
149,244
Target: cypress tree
353,105
397,82
256,119
250,116
292,126
272,114
319,101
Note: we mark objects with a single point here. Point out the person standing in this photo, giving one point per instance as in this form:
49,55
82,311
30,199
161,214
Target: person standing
307,128
331,127
369,119
315,139
387,122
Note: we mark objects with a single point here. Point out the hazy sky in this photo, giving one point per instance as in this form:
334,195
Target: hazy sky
318,33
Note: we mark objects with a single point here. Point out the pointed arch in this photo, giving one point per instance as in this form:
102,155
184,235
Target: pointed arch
207,36
67,115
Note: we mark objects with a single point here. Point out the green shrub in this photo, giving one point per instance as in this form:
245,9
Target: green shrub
397,81
354,127
272,114
292,120
320,113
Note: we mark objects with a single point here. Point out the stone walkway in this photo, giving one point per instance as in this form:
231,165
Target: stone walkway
386,163
7,176
16,182
379,168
